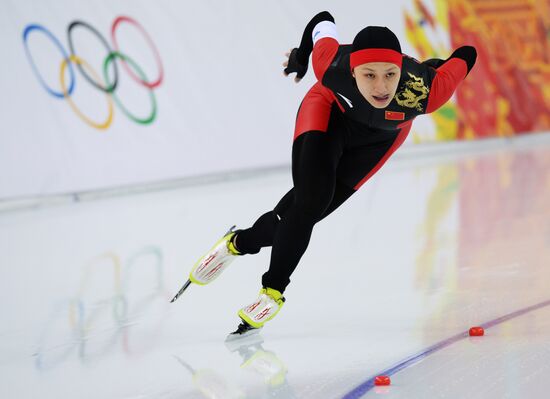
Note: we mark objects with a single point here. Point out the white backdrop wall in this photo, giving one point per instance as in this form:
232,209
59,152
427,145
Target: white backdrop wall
223,103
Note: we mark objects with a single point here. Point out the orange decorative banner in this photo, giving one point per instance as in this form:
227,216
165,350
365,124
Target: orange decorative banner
508,90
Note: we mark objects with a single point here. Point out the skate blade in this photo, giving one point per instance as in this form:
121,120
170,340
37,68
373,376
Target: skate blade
234,337
234,342
181,291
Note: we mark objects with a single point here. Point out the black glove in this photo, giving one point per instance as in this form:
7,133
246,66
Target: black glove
296,66
466,53
299,57
434,62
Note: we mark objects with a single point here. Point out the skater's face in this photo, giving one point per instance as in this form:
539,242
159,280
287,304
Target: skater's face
377,82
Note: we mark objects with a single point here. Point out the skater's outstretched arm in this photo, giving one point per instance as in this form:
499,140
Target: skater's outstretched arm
449,74
298,58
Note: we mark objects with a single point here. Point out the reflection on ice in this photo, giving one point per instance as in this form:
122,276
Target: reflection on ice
263,366
109,299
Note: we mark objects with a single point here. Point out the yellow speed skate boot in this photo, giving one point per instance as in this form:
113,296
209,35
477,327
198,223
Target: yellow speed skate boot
255,315
213,263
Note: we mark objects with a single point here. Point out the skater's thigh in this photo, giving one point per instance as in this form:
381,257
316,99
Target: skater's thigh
341,194
315,158
359,162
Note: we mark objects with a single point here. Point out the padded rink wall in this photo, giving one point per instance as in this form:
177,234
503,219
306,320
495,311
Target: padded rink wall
101,94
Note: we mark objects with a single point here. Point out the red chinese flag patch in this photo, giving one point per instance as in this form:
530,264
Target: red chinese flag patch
395,116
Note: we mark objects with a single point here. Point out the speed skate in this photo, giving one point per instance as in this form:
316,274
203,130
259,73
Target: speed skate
213,263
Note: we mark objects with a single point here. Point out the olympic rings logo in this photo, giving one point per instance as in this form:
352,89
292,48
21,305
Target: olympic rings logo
105,83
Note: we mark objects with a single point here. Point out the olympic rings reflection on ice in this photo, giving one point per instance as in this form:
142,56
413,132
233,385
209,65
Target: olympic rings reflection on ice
97,320
107,84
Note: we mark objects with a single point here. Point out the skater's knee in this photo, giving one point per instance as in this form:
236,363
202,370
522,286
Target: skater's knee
314,198
312,207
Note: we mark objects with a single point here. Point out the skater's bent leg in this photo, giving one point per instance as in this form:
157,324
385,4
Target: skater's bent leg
260,235
251,240
298,232
310,144
314,165
289,244
341,195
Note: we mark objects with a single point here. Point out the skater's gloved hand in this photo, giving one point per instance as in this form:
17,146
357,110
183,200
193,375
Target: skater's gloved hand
434,62
466,53
298,58
293,65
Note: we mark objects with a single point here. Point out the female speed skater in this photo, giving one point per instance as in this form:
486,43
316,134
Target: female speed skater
350,122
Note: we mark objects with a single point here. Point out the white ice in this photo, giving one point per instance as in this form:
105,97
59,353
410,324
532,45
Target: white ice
426,249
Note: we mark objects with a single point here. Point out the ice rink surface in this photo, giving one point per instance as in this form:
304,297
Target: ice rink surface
390,284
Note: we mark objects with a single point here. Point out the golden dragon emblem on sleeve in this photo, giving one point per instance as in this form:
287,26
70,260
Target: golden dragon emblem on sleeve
413,92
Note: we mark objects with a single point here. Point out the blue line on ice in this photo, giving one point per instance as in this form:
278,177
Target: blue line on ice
366,386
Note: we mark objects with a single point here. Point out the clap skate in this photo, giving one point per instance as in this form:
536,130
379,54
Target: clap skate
211,265
254,316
